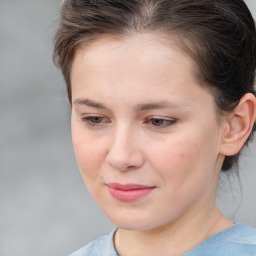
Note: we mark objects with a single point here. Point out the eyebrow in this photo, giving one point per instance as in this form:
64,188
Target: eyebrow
159,105
137,108
89,103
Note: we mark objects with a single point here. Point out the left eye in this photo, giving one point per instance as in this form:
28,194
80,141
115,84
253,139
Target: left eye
161,122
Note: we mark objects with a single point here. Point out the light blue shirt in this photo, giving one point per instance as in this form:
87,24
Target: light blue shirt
238,240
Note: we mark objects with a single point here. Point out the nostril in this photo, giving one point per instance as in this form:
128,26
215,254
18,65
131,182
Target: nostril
120,166
125,163
131,167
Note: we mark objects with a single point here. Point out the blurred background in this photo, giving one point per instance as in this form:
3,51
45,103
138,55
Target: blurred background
45,208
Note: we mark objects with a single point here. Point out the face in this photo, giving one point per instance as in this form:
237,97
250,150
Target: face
145,133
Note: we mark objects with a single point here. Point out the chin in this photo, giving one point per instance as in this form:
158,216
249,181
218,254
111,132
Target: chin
133,225
131,221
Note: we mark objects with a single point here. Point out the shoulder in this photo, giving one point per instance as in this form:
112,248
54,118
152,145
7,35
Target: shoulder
102,246
240,240
242,234
237,240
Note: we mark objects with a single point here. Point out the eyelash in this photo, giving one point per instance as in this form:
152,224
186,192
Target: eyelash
96,121
89,120
164,122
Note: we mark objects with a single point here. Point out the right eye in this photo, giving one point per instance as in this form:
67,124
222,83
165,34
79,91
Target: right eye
94,120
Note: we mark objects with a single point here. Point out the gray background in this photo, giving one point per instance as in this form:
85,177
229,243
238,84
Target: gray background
45,208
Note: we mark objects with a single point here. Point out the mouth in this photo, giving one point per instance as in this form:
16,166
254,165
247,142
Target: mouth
128,192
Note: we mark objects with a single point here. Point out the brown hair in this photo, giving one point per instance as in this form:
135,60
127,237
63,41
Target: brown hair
219,35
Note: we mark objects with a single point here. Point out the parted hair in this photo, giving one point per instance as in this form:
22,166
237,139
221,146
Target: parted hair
219,35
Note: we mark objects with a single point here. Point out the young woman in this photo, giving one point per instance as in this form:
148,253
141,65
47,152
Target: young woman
162,100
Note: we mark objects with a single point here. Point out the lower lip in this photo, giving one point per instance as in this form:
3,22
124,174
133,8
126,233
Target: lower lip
129,195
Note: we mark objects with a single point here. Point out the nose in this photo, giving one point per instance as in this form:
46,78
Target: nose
124,152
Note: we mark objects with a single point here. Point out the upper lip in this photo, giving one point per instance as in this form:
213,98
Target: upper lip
128,186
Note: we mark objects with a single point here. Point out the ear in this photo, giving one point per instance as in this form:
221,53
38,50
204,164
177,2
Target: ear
237,125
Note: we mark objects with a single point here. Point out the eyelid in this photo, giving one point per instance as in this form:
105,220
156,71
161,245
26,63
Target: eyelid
86,119
161,118
171,121
91,115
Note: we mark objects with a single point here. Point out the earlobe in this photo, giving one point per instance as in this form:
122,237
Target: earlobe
238,125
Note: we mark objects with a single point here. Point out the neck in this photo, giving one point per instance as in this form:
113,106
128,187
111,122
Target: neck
173,239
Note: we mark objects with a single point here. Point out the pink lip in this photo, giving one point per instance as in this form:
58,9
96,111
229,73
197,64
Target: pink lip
128,192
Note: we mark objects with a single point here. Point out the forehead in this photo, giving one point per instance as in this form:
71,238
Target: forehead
137,70
142,49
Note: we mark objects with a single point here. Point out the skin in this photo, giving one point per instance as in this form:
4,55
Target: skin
175,146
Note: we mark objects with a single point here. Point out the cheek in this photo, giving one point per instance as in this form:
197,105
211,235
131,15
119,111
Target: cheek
180,159
89,155
171,157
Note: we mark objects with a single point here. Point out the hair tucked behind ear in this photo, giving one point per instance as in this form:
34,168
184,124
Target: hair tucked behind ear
219,35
